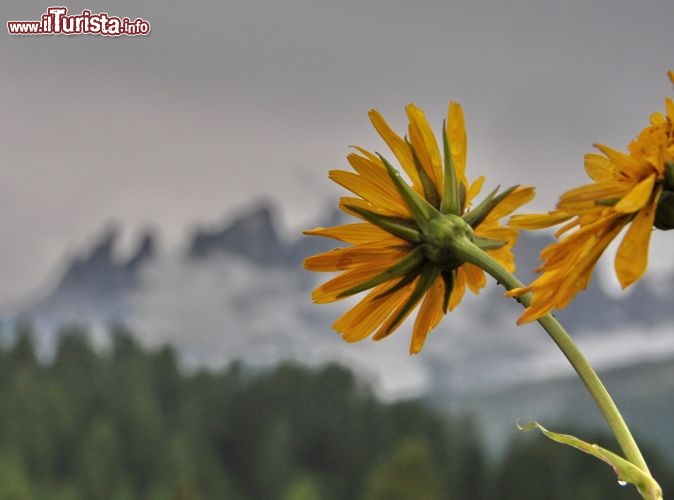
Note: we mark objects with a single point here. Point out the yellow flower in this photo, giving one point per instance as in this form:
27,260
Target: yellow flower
403,250
634,189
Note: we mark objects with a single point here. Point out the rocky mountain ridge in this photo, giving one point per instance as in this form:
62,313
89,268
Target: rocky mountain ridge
96,286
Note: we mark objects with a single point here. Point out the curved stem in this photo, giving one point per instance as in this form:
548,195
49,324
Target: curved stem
471,253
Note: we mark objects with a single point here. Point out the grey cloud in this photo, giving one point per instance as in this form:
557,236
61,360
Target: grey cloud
228,102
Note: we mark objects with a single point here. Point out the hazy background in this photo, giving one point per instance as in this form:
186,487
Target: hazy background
207,145
226,103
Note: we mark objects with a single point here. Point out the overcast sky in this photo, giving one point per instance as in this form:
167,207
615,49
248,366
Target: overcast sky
226,103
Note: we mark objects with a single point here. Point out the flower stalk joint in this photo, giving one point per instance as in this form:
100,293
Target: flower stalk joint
442,233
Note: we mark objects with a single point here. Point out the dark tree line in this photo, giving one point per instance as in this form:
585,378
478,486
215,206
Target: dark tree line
128,423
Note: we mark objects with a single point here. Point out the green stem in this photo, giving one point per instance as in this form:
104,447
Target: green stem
471,253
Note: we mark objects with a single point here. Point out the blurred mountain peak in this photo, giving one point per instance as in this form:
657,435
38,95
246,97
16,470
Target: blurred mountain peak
98,287
95,284
252,234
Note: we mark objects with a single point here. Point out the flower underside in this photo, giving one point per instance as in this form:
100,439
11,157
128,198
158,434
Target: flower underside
404,250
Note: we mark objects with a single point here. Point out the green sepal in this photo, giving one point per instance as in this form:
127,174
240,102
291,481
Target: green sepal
406,280
421,210
669,176
404,266
449,277
430,191
402,228
462,198
428,275
451,204
626,471
488,243
607,202
664,212
478,214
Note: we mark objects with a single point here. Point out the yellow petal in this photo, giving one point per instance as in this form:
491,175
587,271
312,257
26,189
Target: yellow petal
339,259
593,192
569,264
355,234
346,201
599,168
377,193
632,256
331,290
474,190
539,221
400,148
458,290
669,104
370,156
505,257
430,314
362,319
576,269
496,232
567,227
425,145
637,197
657,118
373,171
511,202
533,312
579,277
367,167
475,277
578,272
518,292
573,245
458,143
388,327
625,164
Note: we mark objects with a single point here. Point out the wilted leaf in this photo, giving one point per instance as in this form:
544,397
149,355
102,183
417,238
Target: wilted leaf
626,471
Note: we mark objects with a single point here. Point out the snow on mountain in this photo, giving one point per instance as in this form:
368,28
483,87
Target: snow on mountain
95,286
238,291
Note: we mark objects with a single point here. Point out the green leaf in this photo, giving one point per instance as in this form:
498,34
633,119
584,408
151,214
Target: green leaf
626,471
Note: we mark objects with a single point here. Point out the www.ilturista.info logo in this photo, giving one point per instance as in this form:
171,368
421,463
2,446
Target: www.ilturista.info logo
56,21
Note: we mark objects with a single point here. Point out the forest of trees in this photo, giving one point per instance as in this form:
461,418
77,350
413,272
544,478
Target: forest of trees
128,423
